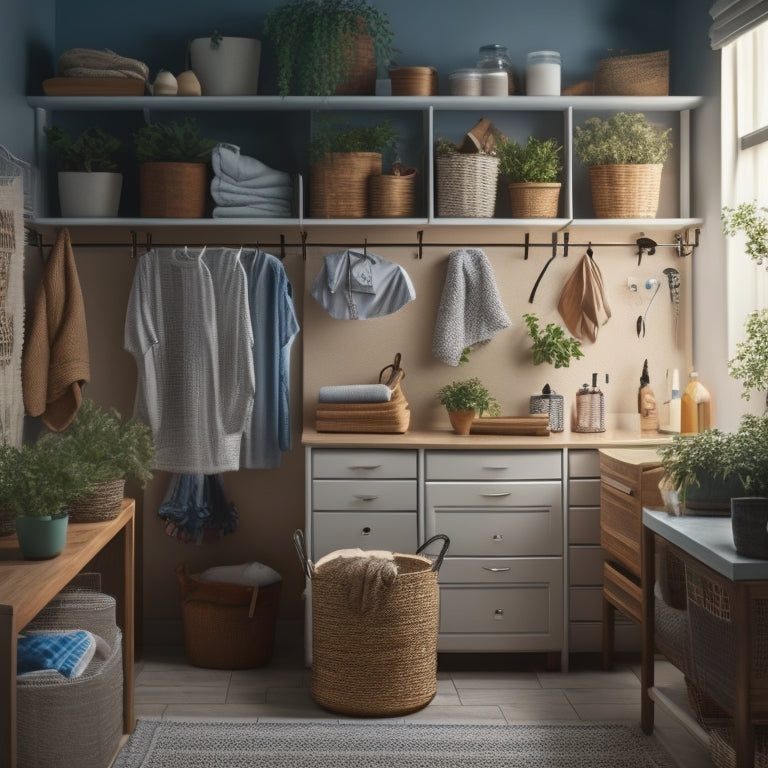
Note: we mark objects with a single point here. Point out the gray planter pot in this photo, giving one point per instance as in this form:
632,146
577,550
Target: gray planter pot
749,521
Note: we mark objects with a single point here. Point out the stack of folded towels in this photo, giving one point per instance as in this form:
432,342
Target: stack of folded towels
91,62
362,408
244,187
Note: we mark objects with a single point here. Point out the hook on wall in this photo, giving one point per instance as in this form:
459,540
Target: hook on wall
645,244
684,245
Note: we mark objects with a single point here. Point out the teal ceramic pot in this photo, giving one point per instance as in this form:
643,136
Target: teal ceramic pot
41,538
749,521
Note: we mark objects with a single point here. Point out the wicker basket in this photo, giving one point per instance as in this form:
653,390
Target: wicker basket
102,504
338,184
391,196
414,81
173,190
723,753
227,626
534,201
645,74
380,662
625,191
361,80
466,184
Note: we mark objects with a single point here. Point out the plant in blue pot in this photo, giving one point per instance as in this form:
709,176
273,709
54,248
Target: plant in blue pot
37,482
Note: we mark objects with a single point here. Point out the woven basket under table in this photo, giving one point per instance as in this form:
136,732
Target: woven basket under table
466,184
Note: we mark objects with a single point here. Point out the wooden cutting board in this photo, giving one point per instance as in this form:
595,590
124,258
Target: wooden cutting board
536,424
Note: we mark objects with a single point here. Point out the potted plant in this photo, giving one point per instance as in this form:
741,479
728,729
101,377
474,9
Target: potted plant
111,450
625,154
752,221
532,172
89,181
326,47
464,400
342,159
226,66
174,159
551,344
37,483
750,361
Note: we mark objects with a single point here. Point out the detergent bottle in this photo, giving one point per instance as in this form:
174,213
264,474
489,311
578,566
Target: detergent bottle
695,408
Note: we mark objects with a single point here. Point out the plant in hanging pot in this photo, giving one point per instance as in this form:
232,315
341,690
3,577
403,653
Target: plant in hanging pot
551,344
37,483
174,160
226,66
532,172
342,159
326,47
625,154
465,400
89,180
112,450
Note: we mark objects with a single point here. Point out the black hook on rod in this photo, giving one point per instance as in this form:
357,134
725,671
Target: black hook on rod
645,244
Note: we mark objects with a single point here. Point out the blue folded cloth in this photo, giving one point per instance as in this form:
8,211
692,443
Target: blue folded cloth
68,652
355,393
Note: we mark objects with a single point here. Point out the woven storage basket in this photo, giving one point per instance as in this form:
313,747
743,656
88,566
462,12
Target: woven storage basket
723,753
707,712
414,81
338,184
625,191
173,190
381,662
645,74
534,201
466,184
362,72
391,196
227,626
103,504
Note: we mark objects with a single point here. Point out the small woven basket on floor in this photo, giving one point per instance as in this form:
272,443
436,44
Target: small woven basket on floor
102,504
625,191
466,184
338,184
645,74
391,196
382,661
173,190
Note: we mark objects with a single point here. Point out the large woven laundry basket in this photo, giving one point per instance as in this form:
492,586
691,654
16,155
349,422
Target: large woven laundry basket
380,661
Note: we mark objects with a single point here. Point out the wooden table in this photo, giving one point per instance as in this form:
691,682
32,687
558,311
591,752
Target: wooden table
27,586
705,545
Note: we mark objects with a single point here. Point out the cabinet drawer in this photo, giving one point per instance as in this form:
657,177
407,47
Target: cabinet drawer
622,591
493,465
391,531
338,463
585,604
353,495
584,493
584,525
584,464
585,566
492,570
621,526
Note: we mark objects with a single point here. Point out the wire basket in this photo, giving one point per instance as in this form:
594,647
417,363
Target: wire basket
551,404
590,411
338,184
645,74
466,184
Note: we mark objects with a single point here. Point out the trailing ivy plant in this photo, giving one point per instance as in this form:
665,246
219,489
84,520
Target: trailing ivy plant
626,138
551,344
751,220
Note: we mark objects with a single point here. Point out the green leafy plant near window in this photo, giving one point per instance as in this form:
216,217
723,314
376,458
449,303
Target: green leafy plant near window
93,150
752,221
172,142
331,136
626,138
749,365
536,161
551,344
312,42
468,395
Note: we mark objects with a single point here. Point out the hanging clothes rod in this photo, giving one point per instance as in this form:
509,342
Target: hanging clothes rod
644,245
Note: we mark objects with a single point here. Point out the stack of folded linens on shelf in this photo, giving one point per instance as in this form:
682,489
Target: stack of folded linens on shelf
363,408
244,187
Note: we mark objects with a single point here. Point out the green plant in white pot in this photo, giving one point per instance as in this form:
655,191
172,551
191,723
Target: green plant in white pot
464,400
89,180
625,154
37,483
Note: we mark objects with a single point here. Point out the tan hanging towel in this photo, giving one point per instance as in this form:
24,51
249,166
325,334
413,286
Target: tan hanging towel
583,304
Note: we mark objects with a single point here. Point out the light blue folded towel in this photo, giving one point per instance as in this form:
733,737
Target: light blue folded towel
355,393
243,170
264,210
227,193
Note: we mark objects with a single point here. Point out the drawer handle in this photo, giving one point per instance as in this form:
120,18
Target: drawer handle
616,485
366,498
498,614
497,537
496,570
497,494
365,466
367,530
497,469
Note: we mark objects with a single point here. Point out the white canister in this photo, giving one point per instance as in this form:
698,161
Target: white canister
542,73
495,82
466,82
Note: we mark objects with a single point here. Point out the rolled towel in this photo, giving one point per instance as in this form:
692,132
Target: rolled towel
266,211
229,164
355,393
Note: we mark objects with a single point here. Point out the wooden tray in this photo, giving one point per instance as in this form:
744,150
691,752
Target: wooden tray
93,86
537,424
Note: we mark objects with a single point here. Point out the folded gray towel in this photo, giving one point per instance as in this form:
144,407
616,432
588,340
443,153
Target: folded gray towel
228,194
355,393
264,210
245,171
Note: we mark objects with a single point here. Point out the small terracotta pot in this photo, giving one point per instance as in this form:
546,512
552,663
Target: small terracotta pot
461,421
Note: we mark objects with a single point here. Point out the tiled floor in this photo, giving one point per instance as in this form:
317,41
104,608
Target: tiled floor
518,689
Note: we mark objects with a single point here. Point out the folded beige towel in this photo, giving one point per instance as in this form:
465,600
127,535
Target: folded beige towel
88,62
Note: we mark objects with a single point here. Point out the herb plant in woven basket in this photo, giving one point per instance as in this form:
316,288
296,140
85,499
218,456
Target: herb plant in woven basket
625,154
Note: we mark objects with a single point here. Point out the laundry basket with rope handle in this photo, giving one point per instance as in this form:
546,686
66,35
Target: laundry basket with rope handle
380,661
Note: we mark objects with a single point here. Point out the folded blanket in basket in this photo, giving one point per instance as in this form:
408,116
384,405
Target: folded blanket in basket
367,578
68,652
355,393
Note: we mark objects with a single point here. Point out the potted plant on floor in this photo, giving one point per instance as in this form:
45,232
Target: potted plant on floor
111,449
342,159
551,344
532,172
89,180
226,66
37,483
174,160
625,154
465,400
326,47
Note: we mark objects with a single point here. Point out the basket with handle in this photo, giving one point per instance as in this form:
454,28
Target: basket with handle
379,660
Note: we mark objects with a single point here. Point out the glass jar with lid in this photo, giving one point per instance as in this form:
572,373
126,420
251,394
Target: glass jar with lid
496,57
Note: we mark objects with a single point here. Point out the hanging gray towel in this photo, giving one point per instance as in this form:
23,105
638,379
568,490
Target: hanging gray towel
471,311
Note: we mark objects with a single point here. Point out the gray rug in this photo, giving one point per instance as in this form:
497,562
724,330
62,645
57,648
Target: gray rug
243,744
